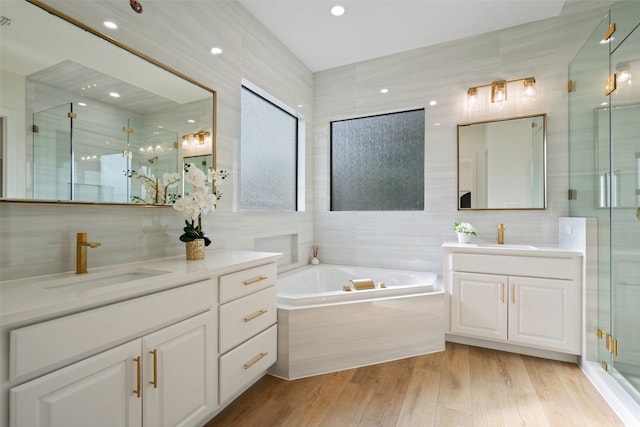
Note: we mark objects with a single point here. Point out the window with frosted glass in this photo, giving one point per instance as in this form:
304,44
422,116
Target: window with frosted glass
377,163
268,155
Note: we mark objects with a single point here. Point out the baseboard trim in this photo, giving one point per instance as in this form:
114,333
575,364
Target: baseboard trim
512,348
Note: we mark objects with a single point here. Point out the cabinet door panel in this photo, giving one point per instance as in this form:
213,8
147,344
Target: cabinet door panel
183,371
96,392
545,313
478,305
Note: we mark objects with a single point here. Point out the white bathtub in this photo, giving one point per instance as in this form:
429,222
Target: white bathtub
322,328
324,284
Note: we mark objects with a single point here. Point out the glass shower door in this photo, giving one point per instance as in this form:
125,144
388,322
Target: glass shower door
51,154
625,197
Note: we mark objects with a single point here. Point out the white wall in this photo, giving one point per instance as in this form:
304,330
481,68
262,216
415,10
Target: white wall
444,73
39,239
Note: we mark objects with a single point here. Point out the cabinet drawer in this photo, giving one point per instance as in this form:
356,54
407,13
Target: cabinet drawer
247,362
558,268
245,317
54,343
245,282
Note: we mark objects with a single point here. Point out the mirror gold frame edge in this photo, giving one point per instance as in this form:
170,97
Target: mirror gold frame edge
544,162
147,58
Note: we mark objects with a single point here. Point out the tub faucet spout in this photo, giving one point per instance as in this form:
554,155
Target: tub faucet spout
81,252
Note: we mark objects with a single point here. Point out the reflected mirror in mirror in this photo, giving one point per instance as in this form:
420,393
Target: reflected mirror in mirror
501,164
83,118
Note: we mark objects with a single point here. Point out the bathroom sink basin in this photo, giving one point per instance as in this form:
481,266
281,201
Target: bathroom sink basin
91,281
497,246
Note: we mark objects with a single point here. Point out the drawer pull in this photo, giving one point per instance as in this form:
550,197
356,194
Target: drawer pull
255,280
138,376
254,315
254,361
155,368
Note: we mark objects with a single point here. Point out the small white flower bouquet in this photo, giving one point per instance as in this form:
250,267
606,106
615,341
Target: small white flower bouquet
464,228
199,201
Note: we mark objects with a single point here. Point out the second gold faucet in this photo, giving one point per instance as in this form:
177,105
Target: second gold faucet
81,252
501,233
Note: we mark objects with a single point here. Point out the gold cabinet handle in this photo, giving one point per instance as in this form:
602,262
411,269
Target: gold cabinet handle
155,368
502,293
254,315
255,280
255,360
138,376
513,293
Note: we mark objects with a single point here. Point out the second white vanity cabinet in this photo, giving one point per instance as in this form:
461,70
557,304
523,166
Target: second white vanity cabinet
530,298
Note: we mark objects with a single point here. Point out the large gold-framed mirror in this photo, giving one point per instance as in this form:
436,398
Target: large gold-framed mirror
67,137
502,163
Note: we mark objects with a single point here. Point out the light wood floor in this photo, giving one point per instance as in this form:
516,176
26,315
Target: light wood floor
462,386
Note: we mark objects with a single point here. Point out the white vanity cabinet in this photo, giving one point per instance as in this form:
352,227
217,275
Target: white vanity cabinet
248,330
169,349
526,298
164,378
159,380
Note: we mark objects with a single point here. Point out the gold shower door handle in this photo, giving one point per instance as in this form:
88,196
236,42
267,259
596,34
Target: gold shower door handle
138,376
254,315
255,280
155,368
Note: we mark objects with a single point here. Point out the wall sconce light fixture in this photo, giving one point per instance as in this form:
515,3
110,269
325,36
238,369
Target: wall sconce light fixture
195,139
499,89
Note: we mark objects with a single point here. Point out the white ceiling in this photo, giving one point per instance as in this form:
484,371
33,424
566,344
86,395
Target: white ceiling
374,28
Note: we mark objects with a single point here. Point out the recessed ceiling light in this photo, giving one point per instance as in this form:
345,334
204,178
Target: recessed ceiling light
385,90
433,102
337,10
110,25
191,121
216,51
82,104
114,94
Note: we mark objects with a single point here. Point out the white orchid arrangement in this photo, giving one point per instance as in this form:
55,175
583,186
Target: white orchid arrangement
199,201
464,227
156,190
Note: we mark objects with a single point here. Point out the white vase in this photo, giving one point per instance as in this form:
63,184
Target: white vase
464,238
315,261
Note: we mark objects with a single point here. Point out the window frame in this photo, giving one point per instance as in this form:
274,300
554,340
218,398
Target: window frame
299,155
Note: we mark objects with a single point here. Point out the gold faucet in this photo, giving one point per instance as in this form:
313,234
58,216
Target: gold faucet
81,252
501,234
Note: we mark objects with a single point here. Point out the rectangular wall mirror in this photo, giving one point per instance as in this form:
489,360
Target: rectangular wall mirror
81,111
502,164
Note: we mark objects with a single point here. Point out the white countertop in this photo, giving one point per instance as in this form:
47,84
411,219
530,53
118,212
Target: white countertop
511,249
28,300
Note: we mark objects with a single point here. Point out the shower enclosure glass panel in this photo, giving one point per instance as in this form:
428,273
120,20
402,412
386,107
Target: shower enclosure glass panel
605,171
625,224
589,129
52,154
